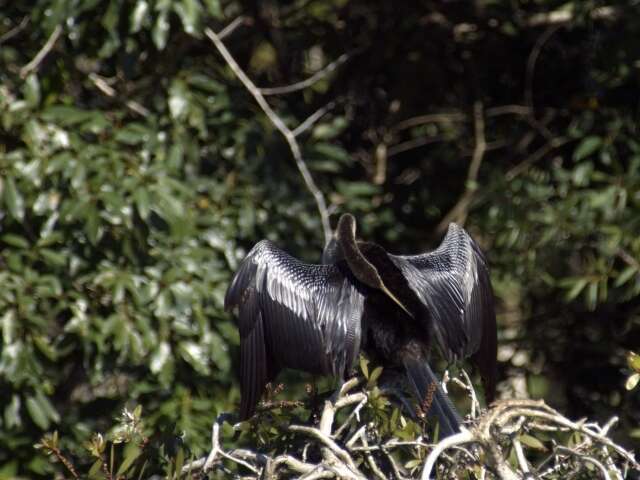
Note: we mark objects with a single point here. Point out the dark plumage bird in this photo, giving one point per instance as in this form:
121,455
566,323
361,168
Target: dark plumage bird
317,318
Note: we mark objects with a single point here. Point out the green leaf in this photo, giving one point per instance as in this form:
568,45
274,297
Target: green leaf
178,100
632,381
92,226
592,295
577,287
96,469
194,354
42,344
364,366
373,378
13,199
214,8
189,12
160,31
12,416
179,460
37,414
131,453
143,202
15,241
586,147
633,360
53,258
625,276
532,442
133,134
32,90
139,15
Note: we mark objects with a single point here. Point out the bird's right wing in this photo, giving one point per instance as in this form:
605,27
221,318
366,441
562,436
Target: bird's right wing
292,314
453,283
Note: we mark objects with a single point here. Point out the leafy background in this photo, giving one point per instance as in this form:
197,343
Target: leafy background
135,172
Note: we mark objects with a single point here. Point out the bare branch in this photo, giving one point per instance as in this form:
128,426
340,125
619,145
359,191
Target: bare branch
319,75
229,29
413,143
586,458
312,119
459,211
14,31
109,91
444,117
44,51
531,63
280,125
522,460
535,157
458,439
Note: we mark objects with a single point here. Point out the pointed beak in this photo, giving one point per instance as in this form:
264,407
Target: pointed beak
398,302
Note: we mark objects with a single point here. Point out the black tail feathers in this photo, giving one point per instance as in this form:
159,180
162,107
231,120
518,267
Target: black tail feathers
432,399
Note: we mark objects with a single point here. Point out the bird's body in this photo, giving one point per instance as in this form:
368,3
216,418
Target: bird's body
317,318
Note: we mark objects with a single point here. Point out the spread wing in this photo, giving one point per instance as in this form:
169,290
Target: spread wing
292,314
453,283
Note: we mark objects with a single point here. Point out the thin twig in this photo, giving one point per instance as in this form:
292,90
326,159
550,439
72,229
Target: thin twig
522,460
229,29
280,125
586,458
443,117
109,91
535,157
14,31
531,63
319,75
312,119
328,442
44,51
459,211
458,439
413,143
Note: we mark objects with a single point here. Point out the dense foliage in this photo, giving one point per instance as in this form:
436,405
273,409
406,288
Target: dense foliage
136,170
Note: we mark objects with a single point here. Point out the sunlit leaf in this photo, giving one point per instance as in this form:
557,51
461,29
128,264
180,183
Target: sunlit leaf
587,147
633,360
13,199
632,381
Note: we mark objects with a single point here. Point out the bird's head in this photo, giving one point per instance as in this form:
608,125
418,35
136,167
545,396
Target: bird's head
361,268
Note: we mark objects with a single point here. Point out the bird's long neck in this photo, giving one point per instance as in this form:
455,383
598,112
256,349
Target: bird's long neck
358,264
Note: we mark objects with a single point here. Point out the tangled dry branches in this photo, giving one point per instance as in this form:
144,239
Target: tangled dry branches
514,439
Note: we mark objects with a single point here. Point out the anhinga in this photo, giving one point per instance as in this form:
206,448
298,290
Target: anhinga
317,318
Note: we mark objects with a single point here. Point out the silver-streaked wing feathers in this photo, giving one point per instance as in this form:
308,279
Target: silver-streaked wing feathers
453,283
292,314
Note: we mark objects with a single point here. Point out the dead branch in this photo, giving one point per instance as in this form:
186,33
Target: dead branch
42,54
102,85
14,31
316,77
281,127
459,211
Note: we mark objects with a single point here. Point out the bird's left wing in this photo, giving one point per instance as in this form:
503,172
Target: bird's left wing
292,314
453,283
